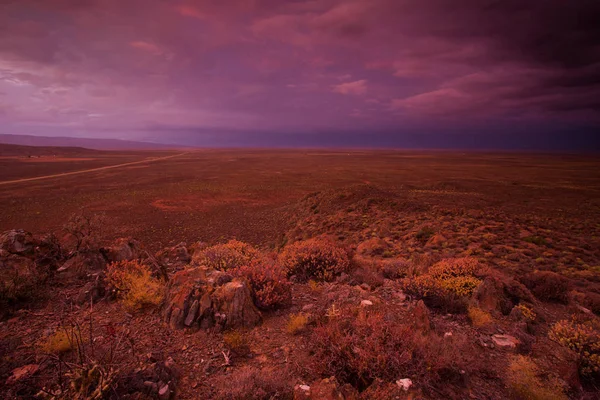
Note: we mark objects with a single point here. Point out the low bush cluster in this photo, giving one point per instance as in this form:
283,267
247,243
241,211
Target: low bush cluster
524,381
297,323
359,348
547,286
584,339
134,284
226,256
316,258
446,284
268,283
479,318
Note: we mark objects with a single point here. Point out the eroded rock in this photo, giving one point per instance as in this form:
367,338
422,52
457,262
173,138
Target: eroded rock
17,241
203,298
123,249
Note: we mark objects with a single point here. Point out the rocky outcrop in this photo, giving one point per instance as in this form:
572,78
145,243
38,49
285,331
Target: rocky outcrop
175,257
204,298
123,249
421,317
498,295
17,241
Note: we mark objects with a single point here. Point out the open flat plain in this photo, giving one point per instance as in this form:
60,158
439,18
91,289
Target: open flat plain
464,272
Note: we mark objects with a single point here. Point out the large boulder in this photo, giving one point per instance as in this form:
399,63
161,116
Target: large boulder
81,264
204,298
17,241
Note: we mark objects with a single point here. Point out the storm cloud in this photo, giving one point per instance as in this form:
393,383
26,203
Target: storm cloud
128,67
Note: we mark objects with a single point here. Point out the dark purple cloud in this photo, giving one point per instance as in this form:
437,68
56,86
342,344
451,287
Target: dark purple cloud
126,67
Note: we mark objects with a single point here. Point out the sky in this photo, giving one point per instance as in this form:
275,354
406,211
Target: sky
435,73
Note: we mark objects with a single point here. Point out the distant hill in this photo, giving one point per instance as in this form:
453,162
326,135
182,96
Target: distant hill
12,150
97,144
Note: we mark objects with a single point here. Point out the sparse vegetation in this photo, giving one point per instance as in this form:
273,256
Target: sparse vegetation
317,258
352,314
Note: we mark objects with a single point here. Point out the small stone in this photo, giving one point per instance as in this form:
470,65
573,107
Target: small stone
447,334
366,303
308,307
164,393
505,341
21,373
152,386
306,388
404,384
365,286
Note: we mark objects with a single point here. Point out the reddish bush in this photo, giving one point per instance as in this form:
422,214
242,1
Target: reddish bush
268,282
316,258
253,384
547,286
359,348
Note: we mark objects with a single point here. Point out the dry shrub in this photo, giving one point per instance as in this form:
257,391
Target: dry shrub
21,282
358,348
479,318
296,323
226,256
584,339
548,286
250,383
268,283
316,258
134,284
527,312
87,229
525,383
237,342
447,284
59,342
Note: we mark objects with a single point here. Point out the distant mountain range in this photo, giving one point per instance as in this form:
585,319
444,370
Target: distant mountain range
96,144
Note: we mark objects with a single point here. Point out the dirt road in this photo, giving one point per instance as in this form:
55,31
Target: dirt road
91,169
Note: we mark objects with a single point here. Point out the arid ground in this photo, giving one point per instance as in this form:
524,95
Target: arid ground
529,221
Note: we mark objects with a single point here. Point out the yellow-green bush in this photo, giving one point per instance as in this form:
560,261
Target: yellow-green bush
524,382
134,284
584,339
226,256
446,284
